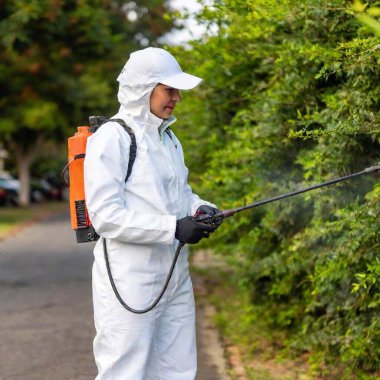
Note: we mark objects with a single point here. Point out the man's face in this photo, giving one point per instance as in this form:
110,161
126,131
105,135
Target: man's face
163,100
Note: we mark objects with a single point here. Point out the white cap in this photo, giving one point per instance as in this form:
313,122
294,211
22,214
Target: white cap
152,66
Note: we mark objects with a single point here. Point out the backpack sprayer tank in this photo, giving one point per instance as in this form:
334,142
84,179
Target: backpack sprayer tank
80,221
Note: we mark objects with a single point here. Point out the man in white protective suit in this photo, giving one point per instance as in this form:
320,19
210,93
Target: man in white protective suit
142,221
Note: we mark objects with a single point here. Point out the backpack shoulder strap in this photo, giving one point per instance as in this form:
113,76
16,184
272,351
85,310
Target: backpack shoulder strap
98,121
133,147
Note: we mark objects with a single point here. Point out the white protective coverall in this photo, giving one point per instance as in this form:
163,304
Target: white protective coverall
138,219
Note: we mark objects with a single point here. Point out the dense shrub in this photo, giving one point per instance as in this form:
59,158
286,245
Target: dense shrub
291,98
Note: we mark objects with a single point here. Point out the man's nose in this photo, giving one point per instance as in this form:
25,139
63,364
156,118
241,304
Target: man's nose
176,95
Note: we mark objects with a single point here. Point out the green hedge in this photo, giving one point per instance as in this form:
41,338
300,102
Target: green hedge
291,98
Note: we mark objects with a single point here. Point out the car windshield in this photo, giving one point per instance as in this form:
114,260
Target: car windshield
10,183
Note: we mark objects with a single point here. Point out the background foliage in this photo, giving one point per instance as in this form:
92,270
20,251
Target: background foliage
291,98
58,65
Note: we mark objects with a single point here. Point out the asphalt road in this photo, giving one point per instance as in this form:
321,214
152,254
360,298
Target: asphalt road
46,320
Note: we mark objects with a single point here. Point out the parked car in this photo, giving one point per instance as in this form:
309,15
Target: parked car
40,190
9,189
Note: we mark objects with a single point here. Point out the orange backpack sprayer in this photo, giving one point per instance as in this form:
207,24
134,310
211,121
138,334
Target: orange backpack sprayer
80,221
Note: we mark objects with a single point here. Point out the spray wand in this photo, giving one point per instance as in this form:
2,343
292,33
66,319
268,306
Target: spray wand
233,211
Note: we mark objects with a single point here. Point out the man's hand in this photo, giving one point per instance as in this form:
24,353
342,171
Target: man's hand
210,211
191,232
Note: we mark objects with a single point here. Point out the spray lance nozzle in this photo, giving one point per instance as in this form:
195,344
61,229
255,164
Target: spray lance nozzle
373,168
227,213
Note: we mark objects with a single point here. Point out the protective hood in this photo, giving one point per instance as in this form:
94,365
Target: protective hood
134,105
143,71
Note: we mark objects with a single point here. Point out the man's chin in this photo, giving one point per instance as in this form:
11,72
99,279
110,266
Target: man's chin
168,113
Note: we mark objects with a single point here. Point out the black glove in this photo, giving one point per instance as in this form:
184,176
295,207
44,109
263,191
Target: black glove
208,210
190,231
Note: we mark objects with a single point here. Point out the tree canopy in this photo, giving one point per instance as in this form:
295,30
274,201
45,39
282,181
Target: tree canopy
59,64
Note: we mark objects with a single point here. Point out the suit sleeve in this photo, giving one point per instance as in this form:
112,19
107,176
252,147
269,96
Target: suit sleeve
105,168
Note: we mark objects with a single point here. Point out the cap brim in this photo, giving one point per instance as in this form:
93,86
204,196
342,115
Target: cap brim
182,81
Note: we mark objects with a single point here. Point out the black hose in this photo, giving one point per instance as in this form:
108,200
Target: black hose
163,290
64,170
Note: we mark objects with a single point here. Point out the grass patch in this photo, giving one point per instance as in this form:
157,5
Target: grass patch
262,353
12,218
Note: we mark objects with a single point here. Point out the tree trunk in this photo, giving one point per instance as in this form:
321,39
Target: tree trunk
23,163
24,157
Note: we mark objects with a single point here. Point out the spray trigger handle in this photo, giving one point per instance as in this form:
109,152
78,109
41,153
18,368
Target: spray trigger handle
204,218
